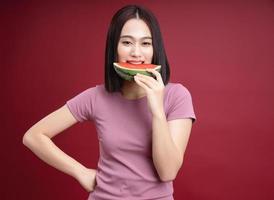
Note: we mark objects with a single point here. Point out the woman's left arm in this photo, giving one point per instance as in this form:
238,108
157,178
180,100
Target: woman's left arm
169,139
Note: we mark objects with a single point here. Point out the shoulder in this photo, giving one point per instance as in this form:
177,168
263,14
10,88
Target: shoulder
101,87
174,88
87,93
94,89
99,92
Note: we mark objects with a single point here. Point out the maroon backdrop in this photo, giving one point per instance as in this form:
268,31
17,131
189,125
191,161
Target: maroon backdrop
222,51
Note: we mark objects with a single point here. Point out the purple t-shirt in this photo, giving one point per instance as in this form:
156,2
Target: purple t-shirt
124,130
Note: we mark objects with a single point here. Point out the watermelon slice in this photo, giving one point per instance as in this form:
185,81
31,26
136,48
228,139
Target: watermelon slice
127,71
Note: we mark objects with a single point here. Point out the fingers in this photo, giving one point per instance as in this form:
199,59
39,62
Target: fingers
157,74
145,77
140,82
147,82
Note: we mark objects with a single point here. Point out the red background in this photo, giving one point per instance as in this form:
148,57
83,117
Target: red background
222,51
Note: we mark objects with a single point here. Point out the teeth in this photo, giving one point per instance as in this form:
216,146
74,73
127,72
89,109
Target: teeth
135,62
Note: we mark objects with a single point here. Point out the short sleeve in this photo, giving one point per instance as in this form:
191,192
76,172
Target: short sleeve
82,105
180,104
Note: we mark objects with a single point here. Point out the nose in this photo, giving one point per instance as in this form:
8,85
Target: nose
136,51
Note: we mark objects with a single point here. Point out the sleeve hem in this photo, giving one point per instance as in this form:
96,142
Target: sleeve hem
68,105
182,117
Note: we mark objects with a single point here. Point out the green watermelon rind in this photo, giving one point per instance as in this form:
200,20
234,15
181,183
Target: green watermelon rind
129,69
123,75
128,74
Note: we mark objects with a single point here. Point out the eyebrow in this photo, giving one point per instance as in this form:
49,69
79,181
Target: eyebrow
129,36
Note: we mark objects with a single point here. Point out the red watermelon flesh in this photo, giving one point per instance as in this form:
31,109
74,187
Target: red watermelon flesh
136,66
127,70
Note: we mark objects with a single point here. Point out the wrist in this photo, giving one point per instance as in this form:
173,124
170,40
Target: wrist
159,114
79,171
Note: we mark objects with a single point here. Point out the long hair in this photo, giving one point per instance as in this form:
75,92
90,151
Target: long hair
113,82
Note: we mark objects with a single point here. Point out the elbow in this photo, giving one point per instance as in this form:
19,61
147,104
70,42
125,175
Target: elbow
30,138
26,139
167,178
171,175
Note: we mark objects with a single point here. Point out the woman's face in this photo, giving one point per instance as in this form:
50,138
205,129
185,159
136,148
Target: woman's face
135,43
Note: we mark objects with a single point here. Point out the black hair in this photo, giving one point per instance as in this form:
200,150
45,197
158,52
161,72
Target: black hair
113,82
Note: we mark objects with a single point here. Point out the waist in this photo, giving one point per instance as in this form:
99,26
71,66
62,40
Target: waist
113,188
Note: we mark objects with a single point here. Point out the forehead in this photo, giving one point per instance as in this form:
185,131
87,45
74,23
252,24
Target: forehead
136,28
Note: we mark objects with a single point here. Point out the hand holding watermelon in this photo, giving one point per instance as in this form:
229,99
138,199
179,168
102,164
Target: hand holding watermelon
154,90
143,75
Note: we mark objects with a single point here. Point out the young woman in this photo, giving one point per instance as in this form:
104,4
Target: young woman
143,125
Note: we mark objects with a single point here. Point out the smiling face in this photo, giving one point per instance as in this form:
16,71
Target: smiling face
135,43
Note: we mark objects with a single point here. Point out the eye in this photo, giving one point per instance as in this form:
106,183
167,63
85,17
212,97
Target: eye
146,43
126,42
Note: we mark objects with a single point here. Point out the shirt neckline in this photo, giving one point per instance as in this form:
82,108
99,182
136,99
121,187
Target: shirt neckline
119,94
131,100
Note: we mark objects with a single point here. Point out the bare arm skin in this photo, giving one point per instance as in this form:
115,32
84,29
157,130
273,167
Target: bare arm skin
38,140
170,140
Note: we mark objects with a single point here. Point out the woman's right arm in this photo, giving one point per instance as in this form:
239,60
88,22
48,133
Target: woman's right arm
38,140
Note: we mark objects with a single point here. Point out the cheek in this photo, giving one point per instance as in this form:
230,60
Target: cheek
122,51
149,52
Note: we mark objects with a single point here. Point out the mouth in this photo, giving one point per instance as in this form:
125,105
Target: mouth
135,62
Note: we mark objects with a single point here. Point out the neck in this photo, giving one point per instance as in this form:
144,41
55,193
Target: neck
132,90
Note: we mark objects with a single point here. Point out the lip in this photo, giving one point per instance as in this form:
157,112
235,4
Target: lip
135,61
